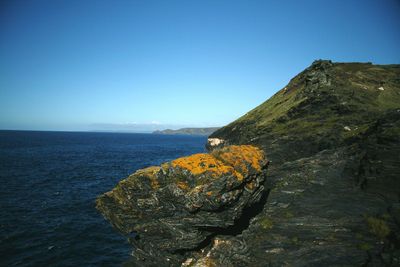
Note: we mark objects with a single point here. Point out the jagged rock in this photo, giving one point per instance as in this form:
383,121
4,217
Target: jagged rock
318,74
172,209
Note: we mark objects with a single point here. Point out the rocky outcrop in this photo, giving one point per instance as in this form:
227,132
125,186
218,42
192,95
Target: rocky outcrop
176,208
332,193
339,207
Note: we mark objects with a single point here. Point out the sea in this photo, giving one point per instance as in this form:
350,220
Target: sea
48,185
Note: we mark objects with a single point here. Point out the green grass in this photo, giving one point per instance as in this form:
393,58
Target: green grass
352,99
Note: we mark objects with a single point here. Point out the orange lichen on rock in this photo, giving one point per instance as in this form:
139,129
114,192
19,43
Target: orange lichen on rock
183,185
151,174
250,185
233,159
201,163
241,157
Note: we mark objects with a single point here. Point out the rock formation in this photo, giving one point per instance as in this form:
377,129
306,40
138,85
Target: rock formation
331,196
177,207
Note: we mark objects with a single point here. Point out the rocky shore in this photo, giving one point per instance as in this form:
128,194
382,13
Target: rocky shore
330,196
173,210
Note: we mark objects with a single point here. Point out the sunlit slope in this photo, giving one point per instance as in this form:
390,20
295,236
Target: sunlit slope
326,105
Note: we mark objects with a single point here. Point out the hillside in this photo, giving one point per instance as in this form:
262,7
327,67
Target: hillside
311,177
189,131
325,106
333,138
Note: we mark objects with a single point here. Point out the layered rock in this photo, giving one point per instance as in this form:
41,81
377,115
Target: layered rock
170,210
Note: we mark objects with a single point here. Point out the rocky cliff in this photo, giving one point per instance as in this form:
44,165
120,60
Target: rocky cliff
173,210
330,197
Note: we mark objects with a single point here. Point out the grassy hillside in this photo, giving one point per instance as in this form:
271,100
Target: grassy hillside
326,105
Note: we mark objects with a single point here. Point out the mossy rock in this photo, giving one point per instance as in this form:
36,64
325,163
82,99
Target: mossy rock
266,223
378,227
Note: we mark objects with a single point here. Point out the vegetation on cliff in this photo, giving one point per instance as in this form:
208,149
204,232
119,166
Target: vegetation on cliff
325,106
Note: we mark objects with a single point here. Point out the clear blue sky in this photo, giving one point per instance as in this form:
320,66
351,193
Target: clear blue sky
84,65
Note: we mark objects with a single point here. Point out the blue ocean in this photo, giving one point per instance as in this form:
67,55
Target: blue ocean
49,182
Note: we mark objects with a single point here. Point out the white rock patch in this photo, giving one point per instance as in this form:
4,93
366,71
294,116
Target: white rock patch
275,250
215,141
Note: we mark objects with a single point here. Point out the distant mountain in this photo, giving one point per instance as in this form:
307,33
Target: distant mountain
189,131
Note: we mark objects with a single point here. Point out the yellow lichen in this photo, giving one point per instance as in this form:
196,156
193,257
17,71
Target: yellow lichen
250,185
151,174
183,185
241,157
233,159
201,163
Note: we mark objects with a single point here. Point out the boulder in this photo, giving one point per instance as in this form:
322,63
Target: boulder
170,210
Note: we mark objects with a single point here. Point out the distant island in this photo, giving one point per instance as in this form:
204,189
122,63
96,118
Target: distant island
189,131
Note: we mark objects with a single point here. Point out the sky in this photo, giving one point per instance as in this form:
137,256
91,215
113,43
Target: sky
144,65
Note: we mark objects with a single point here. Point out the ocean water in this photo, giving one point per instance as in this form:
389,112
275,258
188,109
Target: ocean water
48,185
